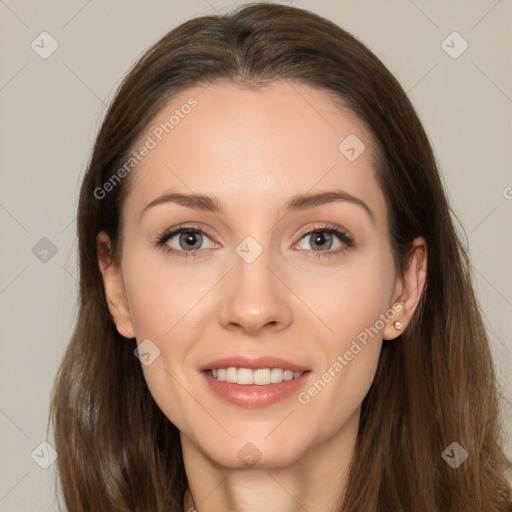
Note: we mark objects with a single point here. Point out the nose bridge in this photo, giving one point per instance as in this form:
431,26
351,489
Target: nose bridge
254,298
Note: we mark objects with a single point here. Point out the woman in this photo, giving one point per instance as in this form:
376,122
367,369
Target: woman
276,312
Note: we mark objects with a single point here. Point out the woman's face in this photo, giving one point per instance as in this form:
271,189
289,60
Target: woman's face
284,264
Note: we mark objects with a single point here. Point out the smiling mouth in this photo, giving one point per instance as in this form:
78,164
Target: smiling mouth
248,377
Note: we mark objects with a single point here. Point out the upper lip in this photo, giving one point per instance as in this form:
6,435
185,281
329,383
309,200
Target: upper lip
254,363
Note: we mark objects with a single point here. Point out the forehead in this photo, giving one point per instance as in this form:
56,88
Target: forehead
254,147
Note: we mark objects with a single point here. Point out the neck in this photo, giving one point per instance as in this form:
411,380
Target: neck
315,481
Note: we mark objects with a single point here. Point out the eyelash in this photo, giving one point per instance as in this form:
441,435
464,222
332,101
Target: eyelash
342,236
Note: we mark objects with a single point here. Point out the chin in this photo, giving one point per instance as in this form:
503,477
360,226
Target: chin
254,452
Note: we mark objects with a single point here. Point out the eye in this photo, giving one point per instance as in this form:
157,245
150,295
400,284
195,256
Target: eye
325,239
184,240
191,241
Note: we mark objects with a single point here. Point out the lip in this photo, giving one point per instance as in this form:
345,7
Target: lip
254,363
254,396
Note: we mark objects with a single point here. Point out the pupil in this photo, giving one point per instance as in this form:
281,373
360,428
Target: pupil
321,238
190,238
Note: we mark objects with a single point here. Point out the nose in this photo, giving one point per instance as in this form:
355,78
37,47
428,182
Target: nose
254,299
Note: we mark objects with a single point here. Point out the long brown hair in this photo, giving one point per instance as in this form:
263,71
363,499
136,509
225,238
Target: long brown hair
434,385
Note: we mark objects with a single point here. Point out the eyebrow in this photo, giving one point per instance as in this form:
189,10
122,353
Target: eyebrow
297,202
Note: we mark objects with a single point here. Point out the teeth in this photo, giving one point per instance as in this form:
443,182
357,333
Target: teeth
243,376
276,375
260,377
231,375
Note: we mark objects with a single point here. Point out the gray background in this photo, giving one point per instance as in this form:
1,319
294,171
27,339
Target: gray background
51,110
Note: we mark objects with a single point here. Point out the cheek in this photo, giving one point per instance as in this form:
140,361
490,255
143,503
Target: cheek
347,300
163,303
351,306
167,305
163,296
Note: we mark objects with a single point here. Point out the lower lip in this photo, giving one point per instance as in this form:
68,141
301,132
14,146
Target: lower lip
255,396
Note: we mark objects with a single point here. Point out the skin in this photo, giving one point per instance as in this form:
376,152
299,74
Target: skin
255,150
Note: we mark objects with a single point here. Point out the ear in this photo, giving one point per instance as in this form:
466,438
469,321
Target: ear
114,287
408,289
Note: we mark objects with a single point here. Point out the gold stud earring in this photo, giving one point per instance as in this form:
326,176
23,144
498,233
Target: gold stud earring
398,325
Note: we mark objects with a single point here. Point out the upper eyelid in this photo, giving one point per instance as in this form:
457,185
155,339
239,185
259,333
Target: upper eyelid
167,234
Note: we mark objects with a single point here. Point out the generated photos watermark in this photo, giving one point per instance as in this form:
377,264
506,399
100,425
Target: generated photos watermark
305,397
158,134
